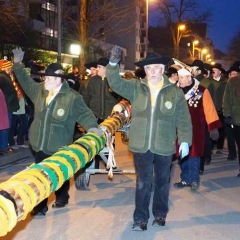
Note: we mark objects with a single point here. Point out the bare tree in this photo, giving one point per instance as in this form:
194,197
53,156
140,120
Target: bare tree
175,12
13,16
99,19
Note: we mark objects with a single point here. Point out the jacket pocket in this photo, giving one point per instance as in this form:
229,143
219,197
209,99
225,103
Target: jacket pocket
165,136
137,133
60,112
167,105
58,137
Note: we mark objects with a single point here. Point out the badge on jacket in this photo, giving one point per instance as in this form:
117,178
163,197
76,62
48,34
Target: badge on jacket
168,104
60,112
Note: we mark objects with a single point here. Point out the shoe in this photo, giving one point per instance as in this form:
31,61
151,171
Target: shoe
231,158
37,212
201,172
194,186
219,151
23,146
9,150
159,222
139,226
59,204
238,175
181,184
207,161
15,147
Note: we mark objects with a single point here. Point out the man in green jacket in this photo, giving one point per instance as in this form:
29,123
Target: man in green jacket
231,110
160,115
57,109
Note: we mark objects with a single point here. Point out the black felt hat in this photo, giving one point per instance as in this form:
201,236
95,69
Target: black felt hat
198,63
171,71
55,70
90,65
219,67
103,61
233,69
153,58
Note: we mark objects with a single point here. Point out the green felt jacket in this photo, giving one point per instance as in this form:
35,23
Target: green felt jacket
53,125
155,130
231,100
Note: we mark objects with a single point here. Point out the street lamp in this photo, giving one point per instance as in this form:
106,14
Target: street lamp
194,43
75,49
204,51
180,29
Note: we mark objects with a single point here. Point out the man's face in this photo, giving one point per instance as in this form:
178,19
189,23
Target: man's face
154,72
101,71
94,71
233,74
184,80
51,83
216,73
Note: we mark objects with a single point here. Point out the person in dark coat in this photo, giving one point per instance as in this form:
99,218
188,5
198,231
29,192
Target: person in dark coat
10,94
231,110
98,96
159,115
57,109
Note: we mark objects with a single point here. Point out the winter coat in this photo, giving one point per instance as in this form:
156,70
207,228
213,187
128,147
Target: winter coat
53,125
9,92
155,130
231,100
218,88
4,121
99,97
202,111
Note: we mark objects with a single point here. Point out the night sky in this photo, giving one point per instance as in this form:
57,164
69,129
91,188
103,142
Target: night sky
225,21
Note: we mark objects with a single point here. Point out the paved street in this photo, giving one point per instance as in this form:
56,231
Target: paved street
105,211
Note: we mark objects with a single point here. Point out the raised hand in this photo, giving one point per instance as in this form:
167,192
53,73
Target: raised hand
18,55
116,54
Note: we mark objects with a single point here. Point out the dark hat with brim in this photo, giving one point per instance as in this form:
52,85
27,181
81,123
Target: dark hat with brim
90,65
170,71
54,70
236,64
197,63
219,67
153,58
103,61
233,69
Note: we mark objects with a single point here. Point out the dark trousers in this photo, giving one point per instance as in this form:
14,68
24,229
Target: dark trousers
146,165
190,169
4,135
237,137
232,152
19,124
222,132
61,194
208,145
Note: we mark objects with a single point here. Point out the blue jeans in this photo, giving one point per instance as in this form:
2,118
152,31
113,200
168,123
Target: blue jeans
4,135
18,122
190,169
147,164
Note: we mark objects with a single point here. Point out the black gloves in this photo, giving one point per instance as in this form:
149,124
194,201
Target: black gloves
214,134
116,54
228,120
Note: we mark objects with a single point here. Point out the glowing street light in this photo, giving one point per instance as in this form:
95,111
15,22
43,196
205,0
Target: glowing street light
75,49
204,51
180,29
194,43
